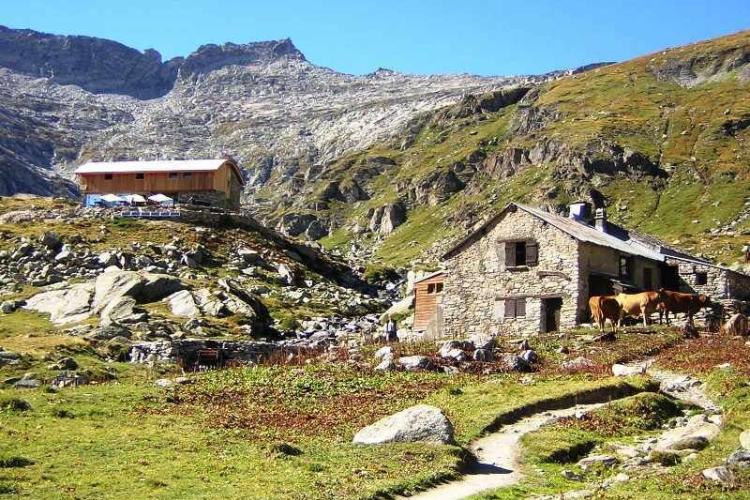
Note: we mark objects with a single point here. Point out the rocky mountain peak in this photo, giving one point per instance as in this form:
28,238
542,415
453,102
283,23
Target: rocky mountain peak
94,64
211,57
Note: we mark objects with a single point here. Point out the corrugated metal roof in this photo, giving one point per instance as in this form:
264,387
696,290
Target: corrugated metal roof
125,167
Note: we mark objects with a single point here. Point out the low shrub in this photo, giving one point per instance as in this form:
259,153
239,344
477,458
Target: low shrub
14,404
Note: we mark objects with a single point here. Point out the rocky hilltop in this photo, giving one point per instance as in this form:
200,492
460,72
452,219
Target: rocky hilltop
66,99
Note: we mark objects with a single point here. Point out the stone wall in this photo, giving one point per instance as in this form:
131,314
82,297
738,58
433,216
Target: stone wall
185,351
716,286
210,198
478,281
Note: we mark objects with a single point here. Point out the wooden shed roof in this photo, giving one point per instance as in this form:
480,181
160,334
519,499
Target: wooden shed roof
157,166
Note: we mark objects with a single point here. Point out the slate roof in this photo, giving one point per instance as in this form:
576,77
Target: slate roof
576,229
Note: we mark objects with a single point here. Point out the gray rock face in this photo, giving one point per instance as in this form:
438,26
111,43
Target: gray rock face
719,474
698,432
387,218
97,65
419,423
745,439
183,304
69,305
118,310
112,295
597,461
415,363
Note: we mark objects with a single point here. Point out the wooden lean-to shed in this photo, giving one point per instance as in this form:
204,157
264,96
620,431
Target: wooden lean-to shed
428,293
216,182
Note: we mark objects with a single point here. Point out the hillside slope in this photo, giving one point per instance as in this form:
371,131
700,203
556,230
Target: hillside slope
662,140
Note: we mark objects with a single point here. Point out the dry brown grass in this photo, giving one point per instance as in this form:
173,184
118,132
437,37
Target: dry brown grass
703,354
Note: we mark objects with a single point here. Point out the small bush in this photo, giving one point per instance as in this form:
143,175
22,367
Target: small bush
665,458
62,413
14,461
14,404
285,449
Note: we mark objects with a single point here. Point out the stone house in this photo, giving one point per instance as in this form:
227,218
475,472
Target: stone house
526,271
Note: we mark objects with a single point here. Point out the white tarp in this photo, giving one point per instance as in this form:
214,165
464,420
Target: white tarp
112,198
161,199
135,198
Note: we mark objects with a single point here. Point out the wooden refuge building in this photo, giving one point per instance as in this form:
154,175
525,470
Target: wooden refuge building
527,270
200,182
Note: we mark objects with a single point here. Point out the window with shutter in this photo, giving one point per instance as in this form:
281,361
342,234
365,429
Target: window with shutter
532,253
510,308
520,307
515,308
510,255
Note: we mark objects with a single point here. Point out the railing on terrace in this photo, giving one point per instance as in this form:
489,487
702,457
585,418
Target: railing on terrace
150,213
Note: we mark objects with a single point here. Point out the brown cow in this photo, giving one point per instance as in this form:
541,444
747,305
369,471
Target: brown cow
678,302
636,304
605,308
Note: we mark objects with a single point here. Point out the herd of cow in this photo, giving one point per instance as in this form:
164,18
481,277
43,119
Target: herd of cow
616,307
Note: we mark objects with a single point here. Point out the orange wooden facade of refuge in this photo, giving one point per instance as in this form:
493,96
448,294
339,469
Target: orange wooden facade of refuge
210,182
428,293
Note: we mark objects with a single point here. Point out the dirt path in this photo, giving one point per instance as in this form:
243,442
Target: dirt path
498,457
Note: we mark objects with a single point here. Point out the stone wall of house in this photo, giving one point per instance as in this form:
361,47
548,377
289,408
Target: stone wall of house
606,261
716,286
478,282
738,286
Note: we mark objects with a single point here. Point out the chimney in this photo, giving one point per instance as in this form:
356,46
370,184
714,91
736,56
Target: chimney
600,220
580,211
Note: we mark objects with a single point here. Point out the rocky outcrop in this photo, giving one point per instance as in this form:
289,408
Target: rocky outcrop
112,295
419,423
387,218
94,64
698,67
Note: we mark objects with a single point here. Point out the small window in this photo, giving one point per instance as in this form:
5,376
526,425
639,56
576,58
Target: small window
625,267
172,175
520,249
187,174
107,177
430,287
139,176
515,308
438,287
648,281
434,288
521,253
701,278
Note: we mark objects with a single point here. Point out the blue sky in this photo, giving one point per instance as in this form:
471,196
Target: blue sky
439,36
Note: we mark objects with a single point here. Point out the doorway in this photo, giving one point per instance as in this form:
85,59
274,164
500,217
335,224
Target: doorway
551,308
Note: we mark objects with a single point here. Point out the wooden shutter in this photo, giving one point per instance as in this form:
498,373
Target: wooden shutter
532,253
520,307
510,308
510,255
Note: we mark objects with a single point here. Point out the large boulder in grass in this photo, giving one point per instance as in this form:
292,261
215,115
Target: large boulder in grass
183,304
415,363
143,287
698,432
421,423
68,305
